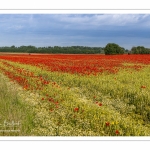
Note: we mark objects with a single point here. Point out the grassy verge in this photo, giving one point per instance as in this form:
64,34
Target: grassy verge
16,117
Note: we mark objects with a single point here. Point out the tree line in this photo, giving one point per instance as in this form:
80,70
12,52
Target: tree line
109,49
112,49
140,50
55,49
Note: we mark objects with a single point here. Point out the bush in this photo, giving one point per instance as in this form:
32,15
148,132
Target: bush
113,49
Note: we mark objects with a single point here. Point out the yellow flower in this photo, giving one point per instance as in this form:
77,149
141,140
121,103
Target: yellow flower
112,122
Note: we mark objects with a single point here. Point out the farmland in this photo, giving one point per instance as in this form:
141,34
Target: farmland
76,95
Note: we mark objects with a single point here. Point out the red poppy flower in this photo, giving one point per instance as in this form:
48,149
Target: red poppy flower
76,109
107,124
143,86
100,104
42,98
56,103
117,132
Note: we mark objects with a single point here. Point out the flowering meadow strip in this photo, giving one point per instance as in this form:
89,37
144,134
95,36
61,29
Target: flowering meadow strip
70,104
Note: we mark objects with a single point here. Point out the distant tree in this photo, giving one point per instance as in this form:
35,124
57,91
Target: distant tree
140,50
12,46
113,49
134,50
127,51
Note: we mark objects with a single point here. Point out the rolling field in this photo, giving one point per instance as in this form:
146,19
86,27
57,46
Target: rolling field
75,95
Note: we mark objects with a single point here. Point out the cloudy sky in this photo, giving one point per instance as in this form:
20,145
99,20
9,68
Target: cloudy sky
127,30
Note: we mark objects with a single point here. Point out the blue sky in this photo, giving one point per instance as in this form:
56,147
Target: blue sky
95,30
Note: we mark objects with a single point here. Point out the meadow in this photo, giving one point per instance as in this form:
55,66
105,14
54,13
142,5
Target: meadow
75,95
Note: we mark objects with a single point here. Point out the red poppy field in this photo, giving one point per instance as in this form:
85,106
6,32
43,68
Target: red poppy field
81,95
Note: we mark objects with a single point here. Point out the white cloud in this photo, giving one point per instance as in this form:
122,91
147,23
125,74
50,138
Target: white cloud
102,20
73,21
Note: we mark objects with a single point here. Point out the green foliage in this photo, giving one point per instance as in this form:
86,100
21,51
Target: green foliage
140,50
112,49
55,49
109,49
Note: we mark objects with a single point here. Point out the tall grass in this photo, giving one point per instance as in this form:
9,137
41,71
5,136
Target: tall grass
15,115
